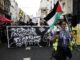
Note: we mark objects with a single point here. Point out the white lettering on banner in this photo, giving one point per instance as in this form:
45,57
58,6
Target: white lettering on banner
42,29
22,36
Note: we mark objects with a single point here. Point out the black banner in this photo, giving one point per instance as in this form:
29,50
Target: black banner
25,35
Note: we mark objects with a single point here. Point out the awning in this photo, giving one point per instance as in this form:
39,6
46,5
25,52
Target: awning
5,20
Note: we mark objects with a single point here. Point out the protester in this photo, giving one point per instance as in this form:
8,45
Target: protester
61,43
3,37
73,36
30,22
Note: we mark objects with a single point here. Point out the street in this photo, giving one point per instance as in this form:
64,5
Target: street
30,53
28,28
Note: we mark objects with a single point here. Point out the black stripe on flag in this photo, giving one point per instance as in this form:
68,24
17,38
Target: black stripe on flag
52,13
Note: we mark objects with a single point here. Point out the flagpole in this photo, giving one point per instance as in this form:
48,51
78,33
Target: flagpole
69,24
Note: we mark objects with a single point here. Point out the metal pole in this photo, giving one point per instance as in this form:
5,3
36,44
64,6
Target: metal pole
8,37
69,24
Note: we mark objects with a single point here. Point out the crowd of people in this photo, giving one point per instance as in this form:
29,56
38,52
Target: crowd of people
30,22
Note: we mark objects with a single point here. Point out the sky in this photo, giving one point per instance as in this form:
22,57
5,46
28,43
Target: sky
30,7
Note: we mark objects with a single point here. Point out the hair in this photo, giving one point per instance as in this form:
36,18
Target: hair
60,21
57,32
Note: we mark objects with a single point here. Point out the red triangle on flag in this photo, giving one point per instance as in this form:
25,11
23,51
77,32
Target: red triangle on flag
59,9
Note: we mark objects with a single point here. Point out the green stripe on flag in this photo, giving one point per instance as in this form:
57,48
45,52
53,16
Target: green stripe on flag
57,16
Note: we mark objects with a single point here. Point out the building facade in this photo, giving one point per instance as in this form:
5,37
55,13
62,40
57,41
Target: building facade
76,9
2,7
45,7
14,9
7,8
67,6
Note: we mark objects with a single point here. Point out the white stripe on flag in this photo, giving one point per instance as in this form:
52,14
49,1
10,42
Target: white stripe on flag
51,21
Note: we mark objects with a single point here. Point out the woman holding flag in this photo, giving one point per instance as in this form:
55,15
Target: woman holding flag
61,43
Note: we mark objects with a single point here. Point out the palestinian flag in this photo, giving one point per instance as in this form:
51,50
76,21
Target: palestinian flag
53,19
